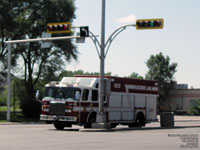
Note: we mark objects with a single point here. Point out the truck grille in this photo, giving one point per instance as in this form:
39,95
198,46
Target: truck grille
57,109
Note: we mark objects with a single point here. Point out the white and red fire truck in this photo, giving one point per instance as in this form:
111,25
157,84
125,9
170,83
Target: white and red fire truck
74,100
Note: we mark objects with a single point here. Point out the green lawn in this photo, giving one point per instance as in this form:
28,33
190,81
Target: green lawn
16,116
4,108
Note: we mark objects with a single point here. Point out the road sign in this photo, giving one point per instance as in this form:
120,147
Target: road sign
61,27
80,39
84,31
142,24
45,44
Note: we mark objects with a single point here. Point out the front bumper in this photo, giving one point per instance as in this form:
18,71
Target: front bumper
58,118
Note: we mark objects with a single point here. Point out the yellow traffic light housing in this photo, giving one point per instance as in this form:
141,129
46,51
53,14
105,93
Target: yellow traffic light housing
61,27
142,24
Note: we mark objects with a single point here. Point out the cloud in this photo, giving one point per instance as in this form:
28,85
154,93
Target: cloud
128,19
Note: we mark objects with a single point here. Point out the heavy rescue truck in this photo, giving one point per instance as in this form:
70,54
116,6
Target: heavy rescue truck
74,100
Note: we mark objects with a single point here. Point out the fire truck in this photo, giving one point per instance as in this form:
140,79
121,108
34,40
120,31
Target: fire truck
75,100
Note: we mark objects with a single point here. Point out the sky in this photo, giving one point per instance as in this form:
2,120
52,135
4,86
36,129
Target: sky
129,52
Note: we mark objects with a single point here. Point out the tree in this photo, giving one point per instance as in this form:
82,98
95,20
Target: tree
30,19
135,76
4,92
8,30
161,70
66,73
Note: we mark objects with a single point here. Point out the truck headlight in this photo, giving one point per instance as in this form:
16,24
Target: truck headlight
46,109
68,110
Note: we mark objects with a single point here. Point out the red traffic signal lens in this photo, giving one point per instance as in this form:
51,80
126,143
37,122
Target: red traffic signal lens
49,27
65,27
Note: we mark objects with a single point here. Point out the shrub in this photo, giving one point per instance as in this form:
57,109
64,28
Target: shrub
196,109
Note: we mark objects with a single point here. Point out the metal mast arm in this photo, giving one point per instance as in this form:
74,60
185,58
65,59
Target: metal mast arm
114,35
96,42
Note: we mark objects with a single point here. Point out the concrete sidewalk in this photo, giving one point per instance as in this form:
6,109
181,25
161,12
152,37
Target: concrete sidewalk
183,118
20,123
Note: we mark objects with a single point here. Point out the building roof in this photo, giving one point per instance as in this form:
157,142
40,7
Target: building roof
191,93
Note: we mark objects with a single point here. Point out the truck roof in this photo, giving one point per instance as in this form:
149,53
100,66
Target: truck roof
122,79
118,84
122,84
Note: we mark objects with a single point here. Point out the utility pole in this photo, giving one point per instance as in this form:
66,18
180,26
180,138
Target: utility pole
8,82
101,114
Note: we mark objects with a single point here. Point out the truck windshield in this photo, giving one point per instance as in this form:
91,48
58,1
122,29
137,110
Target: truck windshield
66,93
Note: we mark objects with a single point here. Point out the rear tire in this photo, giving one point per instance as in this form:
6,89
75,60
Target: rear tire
131,125
140,120
113,125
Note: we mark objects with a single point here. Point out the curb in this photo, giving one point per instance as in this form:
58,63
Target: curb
20,123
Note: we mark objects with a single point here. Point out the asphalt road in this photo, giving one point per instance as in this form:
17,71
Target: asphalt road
152,137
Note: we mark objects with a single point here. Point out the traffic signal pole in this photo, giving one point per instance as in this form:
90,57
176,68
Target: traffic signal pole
8,82
101,115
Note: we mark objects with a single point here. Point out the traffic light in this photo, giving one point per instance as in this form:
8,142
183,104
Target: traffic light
149,24
84,31
62,27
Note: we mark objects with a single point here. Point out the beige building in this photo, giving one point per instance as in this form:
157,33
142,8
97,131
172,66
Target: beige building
182,100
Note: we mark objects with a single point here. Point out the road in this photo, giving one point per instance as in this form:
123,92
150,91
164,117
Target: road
152,137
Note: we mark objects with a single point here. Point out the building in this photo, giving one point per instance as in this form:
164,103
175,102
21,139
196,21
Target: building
183,99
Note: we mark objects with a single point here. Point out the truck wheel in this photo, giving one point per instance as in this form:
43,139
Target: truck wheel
48,122
131,125
140,120
114,125
92,119
59,126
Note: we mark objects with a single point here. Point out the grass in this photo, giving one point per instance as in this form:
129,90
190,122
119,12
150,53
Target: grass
4,108
16,116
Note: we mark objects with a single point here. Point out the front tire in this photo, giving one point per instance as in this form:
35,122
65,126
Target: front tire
113,125
92,119
59,126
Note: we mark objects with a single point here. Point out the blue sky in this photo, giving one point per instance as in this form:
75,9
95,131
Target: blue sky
180,38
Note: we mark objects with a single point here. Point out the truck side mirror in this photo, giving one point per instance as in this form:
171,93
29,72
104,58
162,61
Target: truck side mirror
37,96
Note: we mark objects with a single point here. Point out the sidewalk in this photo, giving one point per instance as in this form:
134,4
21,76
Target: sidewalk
176,119
184,118
20,123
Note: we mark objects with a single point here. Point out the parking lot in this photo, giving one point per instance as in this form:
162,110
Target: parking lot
32,136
